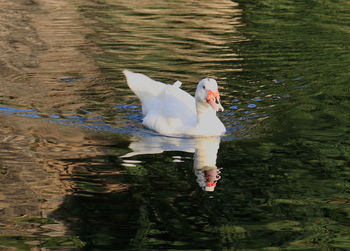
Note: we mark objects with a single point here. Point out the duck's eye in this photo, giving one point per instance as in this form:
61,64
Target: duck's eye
204,87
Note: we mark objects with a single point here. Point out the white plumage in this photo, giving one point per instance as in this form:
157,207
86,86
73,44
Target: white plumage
169,110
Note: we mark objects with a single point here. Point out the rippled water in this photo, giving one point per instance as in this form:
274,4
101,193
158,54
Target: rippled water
79,171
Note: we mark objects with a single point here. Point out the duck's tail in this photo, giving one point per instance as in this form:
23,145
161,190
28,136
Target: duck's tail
145,88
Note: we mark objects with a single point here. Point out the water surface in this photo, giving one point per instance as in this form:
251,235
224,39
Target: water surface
79,171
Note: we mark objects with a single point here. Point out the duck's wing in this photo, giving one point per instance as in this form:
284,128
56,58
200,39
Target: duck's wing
172,112
167,109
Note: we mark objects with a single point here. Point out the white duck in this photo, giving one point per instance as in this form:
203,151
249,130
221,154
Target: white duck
171,111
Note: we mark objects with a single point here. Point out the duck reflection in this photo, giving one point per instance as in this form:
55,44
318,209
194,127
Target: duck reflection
205,151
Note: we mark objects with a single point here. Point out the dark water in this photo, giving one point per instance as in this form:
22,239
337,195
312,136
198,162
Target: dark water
282,170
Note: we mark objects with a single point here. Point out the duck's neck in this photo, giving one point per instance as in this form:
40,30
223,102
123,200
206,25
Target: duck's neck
205,113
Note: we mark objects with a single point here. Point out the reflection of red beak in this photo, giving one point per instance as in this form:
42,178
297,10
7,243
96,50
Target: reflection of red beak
213,100
211,184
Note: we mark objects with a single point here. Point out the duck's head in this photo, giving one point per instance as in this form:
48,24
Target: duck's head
207,93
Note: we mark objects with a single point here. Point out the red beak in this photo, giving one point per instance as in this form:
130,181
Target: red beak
213,100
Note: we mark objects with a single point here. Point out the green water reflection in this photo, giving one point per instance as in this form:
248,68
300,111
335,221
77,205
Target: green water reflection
284,66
